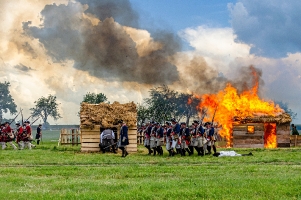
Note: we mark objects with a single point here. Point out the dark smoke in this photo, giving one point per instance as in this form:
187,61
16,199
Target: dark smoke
23,68
104,50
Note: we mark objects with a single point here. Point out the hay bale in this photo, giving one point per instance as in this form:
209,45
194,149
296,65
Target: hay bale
108,115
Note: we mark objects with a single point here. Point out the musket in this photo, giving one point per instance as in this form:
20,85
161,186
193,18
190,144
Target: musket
22,118
35,120
203,116
15,117
28,118
111,145
213,116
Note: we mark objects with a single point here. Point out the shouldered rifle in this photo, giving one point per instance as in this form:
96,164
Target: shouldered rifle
15,117
204,113
213,116
35,120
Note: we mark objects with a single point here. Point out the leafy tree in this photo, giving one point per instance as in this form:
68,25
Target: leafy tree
187,106
142,113
46,107
285,107
6,101
93,98
162,103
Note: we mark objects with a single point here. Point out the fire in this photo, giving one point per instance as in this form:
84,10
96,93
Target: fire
229,105
270,140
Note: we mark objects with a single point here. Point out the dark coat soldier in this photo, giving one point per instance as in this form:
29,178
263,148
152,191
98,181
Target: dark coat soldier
39,134
175,136
169,139
147,135
159,139
185,139
123,138
210,137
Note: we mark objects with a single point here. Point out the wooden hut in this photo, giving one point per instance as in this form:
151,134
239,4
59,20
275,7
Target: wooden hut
262,132
97,117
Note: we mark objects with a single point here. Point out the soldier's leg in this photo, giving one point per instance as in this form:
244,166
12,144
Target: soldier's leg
28,144
191,149
209,149
38,141
13,145
3,145
21,145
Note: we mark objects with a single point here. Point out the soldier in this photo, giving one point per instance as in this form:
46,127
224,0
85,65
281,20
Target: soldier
185,139
175,136
169,139
147,133
153,141
107,139
123,138
199,136
2,137
8,135
39,134
159,138
27,138
19,133
210,137
192,142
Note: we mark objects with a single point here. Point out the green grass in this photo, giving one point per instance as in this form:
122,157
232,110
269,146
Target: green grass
51,172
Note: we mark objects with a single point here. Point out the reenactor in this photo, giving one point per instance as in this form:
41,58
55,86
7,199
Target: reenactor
123,138
27,137
192,143
153,145
8,136
200,138
159,139
185,139
210,135
39,134
169,138
175,136
2,137
147,135
19,133
107,140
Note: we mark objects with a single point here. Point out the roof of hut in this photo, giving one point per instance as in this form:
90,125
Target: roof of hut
280,119
108,115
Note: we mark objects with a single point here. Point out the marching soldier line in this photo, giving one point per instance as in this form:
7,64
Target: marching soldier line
22,135
179,138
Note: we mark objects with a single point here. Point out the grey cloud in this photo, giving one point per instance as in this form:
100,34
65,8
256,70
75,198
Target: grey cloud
23,68
273,28
104,50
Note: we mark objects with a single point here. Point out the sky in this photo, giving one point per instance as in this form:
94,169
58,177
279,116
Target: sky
123,48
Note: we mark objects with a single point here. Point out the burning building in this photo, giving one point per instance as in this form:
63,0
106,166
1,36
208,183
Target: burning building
246,119
97,117
261,132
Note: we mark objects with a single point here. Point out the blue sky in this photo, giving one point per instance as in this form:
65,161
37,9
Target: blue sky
63,48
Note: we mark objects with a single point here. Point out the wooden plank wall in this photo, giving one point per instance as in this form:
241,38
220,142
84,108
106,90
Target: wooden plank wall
283,135
295,140
243,139
90,139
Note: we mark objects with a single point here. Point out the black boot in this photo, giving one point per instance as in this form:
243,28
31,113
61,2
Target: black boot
189,152
172,152
123,152
201,151
158,150
178,151
169,151
149,150
214,148
161,149
198,150
209,150
191,149
183,153
38,142
154,150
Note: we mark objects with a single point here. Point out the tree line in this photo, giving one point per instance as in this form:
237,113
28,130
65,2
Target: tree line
162,104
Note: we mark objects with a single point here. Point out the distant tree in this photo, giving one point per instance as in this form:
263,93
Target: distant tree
142,113
187,106
46,107
285,107
93,98
6,101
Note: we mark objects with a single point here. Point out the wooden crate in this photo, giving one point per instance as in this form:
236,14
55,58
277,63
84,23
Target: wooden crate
90,138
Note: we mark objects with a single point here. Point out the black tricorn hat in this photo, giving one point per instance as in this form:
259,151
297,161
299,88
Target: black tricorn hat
207,123
196,121
173,120
120,121
183,123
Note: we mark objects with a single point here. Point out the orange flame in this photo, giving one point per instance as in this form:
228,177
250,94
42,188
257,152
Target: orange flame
230,104
270,139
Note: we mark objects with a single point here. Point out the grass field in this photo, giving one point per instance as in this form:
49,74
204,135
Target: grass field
51,172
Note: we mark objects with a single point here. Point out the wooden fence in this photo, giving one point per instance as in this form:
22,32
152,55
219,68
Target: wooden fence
69,137
295,140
